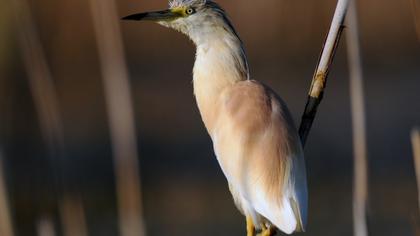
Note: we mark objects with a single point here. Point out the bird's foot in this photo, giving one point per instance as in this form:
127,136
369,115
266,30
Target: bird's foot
267,231
250,228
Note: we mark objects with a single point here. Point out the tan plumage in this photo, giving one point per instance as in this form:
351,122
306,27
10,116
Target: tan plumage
257,146
254,138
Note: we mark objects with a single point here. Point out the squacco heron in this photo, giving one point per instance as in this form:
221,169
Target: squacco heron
255,140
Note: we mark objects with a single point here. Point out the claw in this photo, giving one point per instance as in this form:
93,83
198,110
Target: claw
250,228
267,231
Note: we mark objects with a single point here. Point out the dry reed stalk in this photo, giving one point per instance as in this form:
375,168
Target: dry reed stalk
45,98
360,177
415,141
40,79
6,227
319,80
415,8
73,216
121,116
45,227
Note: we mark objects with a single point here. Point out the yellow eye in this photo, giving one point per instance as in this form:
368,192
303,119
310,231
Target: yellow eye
190,11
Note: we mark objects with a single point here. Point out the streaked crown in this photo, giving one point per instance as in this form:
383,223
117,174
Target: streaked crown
184,3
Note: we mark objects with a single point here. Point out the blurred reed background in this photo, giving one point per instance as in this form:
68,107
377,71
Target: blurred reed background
58,161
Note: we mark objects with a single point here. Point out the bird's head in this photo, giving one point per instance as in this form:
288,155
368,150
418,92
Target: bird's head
199,19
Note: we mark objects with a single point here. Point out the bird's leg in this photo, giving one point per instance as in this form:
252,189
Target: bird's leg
250,228
267,231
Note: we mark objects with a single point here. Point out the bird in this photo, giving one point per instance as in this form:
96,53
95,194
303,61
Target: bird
254,137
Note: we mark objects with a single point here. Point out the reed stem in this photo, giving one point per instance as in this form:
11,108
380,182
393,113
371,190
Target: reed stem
358,111
415,141
121,117
319,80
6,226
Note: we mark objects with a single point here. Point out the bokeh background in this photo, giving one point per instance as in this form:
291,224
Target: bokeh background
183,189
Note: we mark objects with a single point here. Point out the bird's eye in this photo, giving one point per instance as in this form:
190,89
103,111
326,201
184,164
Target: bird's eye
190,11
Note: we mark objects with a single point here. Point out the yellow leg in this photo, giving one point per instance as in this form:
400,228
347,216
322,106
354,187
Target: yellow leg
270,231
250,228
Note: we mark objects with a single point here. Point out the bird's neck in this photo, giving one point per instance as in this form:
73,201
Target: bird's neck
220,63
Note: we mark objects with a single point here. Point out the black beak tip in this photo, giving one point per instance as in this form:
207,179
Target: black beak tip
138,16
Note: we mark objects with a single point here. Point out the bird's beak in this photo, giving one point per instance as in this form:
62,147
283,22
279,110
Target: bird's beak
166,15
